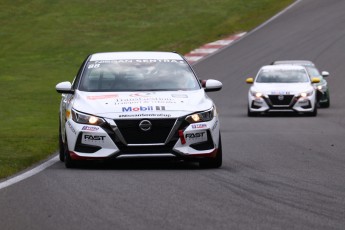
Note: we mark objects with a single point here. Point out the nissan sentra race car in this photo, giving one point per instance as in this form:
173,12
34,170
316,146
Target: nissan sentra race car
323,92
138,104
282,88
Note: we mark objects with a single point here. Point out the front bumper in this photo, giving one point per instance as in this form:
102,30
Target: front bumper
123,138
322,96
281,103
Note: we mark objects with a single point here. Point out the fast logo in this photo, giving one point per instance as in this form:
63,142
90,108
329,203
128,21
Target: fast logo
195,135
94,138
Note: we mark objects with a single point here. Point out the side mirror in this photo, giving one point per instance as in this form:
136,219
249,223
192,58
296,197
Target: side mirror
64,87
250,80
315,80
325,74
212,85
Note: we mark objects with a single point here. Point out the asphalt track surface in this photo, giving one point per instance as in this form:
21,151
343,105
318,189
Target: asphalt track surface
279,172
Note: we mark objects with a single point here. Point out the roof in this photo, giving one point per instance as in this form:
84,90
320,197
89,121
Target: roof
135,55
294,62
282,67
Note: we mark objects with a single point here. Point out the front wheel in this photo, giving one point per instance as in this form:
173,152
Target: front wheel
61,146
215,162
251,114
69,162
314,112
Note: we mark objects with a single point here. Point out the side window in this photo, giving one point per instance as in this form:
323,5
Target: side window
76,80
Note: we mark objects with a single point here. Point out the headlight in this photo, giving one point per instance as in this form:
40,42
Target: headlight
306,94
322,87
202,116
86,119
257,94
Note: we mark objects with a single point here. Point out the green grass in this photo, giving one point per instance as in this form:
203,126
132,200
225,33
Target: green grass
43,42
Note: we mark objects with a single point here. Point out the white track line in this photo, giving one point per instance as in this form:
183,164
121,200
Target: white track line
29,173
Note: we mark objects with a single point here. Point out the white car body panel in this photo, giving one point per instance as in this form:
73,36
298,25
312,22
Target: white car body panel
124,104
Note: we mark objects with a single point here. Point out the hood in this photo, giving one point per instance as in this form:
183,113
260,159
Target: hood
282,88
132,104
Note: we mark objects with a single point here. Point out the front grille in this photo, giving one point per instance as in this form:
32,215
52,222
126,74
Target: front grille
280,100
132,133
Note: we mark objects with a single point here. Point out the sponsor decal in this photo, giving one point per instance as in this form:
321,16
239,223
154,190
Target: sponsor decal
280,93
100,97
143,100
199,126
139,61
194,135
146,115
71,128
93,137
142,108
142,94
90,128
160,107
179,95
215,125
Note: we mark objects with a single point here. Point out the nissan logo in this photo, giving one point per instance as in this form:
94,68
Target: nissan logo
281,97
145,125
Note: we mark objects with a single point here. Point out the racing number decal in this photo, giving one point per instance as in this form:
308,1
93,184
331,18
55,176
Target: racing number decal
93,66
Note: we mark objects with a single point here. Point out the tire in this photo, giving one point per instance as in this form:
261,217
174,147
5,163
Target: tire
215,162
251,114
69,162
61,146
314,113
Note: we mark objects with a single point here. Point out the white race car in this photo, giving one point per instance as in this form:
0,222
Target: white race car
282,88
138,104
322,88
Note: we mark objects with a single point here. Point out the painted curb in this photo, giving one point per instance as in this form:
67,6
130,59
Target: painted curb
210,48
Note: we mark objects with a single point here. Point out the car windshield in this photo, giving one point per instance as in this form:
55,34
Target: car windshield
313,72
282,76
138,75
